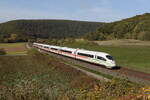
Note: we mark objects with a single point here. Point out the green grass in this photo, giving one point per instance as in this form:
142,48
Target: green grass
133,57
3,45
17,53
14,48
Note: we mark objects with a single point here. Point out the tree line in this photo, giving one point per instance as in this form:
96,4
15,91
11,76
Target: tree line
23,30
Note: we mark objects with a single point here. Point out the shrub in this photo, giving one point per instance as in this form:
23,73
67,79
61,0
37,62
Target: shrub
2,51
95,36
144,35
33,52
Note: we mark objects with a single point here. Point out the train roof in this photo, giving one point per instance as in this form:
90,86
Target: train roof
52,46
70,49
92,52
79,50
37,43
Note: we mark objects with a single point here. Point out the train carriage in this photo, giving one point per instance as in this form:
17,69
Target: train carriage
100,58
45,47
70,52
55,49
85,55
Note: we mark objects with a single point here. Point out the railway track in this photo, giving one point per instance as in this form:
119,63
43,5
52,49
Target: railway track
119,72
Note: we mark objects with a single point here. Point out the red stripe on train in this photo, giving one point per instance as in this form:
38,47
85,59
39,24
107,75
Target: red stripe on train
65,53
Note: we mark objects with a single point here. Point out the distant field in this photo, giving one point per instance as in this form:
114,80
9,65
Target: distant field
124,42
14,48
136,57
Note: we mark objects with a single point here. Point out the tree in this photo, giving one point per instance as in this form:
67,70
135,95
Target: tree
22,30
12,38
1,38
2,51
101,36
144,35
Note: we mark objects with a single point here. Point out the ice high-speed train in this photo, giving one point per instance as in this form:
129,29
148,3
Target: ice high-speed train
100,58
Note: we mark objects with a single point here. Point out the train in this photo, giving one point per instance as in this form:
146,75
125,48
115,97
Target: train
100,58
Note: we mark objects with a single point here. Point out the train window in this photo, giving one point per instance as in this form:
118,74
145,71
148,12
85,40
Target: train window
87,55
66,51
45,47
109,57
54,49
101,58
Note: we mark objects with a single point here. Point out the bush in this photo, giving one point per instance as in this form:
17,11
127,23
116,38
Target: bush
33,52
144,35
95,36
2,51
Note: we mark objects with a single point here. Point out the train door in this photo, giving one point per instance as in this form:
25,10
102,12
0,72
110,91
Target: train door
75,53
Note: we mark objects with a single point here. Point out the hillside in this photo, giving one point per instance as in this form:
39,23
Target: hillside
21,30
137,27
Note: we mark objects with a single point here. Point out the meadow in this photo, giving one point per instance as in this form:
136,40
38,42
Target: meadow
14,48
136,57
42,77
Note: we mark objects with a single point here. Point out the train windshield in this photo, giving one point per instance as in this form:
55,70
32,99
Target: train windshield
109,57
101,58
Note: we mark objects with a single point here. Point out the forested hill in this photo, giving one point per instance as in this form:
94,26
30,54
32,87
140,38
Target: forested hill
137,27
21,30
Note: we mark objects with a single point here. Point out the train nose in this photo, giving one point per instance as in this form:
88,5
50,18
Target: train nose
113,62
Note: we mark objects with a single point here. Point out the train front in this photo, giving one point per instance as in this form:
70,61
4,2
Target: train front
110,61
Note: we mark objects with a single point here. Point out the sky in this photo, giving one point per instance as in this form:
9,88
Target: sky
85,10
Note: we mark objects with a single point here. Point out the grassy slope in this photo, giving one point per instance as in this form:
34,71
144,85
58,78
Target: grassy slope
134,57
14,48
136,27
41,77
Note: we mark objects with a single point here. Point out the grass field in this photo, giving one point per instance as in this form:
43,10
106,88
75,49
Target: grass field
41,77
136,57
14,48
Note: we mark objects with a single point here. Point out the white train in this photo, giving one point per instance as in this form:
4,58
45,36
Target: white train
100,58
